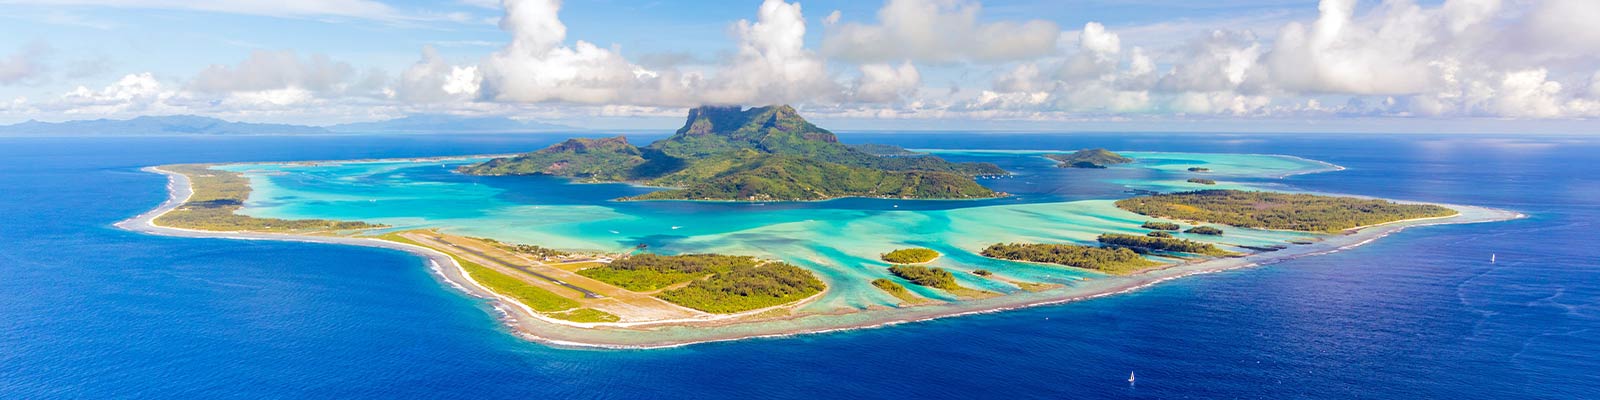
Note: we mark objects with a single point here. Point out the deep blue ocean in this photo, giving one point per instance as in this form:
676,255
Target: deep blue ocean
91,311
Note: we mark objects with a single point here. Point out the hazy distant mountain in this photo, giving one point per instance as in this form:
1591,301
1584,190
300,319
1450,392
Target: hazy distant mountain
448,124
162,125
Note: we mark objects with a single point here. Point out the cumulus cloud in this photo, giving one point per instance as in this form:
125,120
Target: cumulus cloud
538,66
432,79
133,93
884,83
773,65
938,31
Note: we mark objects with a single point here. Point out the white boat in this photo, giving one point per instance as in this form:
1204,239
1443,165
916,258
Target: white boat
1130,377
1491,258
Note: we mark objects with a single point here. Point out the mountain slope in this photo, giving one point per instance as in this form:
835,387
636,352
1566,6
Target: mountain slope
608,159
763,153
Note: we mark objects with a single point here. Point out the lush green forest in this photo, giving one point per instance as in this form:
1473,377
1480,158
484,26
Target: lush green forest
911,256
608,159
1159,234
1202,181
218,194
1089,158
759,154
646,272
1160,225
745,288
1111,261
1291,211
1204,230
771,178
926,276
1162,243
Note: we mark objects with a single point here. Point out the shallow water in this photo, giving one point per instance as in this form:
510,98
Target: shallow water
840,239
91,311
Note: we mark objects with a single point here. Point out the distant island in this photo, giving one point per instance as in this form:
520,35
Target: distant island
1273,210
1089,158
757,154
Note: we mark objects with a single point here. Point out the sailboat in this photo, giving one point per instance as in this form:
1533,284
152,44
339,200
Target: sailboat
1130,377
1491,258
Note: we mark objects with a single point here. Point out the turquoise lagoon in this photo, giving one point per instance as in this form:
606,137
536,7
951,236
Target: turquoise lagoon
839,239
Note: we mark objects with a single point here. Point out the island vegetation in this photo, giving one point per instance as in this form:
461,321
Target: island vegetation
536,298
758,154
1202,181
938,278
1159,234
1160,225
1089,158
899,292
1107,260
1147,243
911,256
1199,169
744,288
1271,210
1204,230
216,197
982,272
647,272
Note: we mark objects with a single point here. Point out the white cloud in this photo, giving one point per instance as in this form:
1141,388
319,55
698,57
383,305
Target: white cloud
938,31
432,79
884,83
773,65
538,66
272,70
133,93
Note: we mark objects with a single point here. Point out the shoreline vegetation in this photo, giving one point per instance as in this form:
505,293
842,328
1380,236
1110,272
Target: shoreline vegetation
217,197
1089,158
1282,211
621,318
916,255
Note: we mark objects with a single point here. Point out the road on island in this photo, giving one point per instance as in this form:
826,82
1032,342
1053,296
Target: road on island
529,271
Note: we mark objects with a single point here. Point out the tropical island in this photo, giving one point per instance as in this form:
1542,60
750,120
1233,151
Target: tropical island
1272,210
757,154
789,275
911,256
1089,158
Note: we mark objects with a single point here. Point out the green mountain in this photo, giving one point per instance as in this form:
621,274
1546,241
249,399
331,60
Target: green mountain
608,159
763,153
1089,158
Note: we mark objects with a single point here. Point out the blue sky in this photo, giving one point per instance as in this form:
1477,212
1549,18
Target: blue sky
1342,65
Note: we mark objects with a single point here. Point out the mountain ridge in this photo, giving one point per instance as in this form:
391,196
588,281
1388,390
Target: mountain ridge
755,154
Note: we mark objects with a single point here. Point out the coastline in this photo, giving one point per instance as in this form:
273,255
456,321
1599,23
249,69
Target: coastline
530,325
